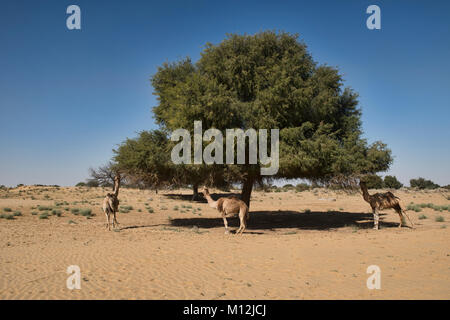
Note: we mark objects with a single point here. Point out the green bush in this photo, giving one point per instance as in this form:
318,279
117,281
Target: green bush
373,181
422,183
57,213
392,182
86,212
302,187
7,209
43,216
440,219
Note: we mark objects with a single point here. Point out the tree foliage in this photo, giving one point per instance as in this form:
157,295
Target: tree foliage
373,181
392,182
266,81
422,183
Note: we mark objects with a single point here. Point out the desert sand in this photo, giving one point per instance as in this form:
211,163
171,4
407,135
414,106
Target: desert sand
298,245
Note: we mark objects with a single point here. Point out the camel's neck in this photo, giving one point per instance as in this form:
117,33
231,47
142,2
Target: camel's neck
211,202
365,192
116,186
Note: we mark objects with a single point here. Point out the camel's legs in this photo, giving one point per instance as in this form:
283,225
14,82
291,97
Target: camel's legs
107,221
225,222
376,218
412,224
401,219
243,224
115,222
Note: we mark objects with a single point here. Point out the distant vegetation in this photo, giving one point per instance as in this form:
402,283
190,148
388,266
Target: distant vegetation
422,183
376,182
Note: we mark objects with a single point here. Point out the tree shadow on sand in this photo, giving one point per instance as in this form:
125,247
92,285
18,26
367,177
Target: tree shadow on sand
201,199
270,220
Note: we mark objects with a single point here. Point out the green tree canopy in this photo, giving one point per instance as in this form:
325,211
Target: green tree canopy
373,181
266,81
392,182
145,161
422,183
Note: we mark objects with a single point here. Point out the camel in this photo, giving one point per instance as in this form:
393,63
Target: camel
229,207
380,201
111,203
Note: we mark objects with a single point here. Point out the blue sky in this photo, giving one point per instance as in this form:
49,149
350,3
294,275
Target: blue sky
67,97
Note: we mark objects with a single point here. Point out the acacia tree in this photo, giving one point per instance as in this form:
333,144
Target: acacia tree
145,162
267,81
103,176
145,159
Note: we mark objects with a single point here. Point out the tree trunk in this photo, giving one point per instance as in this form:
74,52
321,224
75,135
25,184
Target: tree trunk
247,190
195,191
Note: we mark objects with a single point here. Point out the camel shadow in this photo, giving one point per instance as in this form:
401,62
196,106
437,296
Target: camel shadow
271,220
143,226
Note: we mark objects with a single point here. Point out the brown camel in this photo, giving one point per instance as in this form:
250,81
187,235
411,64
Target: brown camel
380,201
111,203
229,207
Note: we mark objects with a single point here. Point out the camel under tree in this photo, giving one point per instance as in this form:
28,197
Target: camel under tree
229,207
380,201
111,203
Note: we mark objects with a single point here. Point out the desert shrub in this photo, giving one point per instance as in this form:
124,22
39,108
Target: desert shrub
86,212
439,219
422,183
75,211
414,207
422,216
92,183
302,187
44,216
150,210
57,213
44,208
373,181
17,213
34,213
7,209
392,182
129,208
81,184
